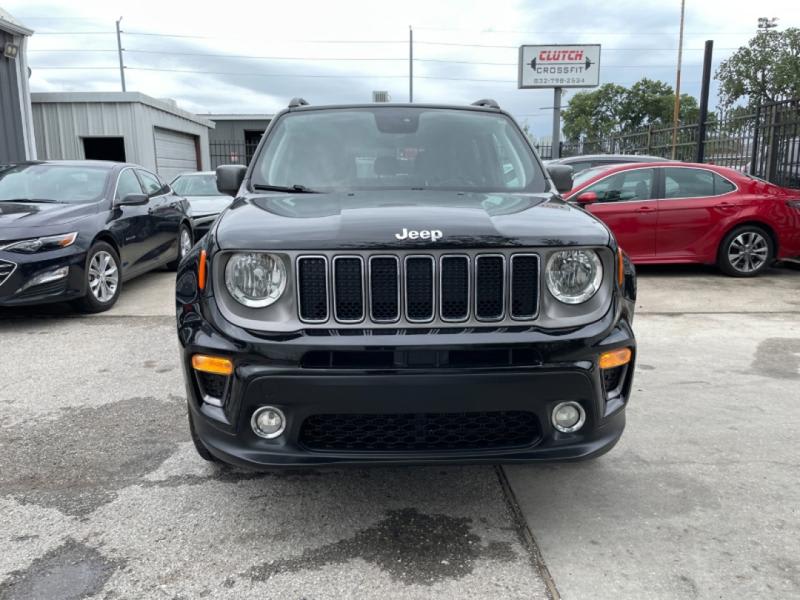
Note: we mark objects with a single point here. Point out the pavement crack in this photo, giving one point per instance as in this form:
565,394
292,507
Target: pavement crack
526,536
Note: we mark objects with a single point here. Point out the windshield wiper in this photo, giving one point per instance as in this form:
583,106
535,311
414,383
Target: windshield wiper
31,200
296,188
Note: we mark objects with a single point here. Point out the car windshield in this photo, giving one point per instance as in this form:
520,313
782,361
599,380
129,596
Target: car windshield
196,185
53,183
585,175
398,148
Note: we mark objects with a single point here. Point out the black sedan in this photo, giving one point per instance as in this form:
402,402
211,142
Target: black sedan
76,230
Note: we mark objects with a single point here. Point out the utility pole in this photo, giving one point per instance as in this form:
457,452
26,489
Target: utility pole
410,65
119,52
676,113
556,141
701,133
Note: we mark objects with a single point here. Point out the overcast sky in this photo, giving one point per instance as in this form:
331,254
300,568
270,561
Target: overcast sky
333,51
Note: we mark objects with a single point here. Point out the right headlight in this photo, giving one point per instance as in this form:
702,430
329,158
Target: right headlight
574,276
255,279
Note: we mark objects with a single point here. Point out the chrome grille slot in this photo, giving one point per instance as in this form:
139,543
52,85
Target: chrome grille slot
490,287
348,289
419,288
312,288
454,288
384,288
524,286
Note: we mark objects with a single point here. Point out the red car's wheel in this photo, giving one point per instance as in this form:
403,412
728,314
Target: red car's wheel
746,251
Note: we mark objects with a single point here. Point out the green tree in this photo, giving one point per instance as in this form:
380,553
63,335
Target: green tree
596,114
613,109
764,70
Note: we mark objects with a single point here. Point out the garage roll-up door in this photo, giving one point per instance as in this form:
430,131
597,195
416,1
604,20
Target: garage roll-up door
176,153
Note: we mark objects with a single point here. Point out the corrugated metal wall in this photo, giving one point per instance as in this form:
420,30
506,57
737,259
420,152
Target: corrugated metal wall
233,131
60,127
12,138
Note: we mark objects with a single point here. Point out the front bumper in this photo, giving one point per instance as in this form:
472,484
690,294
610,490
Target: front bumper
16,288
286,373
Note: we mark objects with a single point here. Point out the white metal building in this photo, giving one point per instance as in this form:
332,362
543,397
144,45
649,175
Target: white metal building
121,126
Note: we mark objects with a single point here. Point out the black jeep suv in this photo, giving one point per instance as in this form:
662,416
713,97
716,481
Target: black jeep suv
402,283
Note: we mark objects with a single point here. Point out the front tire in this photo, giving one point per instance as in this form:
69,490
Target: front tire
746,251
103,279
185,243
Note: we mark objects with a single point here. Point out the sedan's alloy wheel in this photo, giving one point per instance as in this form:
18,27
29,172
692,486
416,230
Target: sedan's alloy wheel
103,276
748,252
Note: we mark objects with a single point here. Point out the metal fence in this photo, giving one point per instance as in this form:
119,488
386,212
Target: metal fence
231,153
764,142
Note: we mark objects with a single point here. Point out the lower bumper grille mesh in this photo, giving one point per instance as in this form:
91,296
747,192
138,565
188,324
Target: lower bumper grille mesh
409,432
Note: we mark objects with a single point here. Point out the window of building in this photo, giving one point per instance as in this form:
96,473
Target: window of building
104,148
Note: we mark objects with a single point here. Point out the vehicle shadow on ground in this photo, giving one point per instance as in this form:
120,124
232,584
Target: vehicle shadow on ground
784,269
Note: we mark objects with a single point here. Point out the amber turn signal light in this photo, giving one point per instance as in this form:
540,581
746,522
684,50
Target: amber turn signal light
212,364
201,271
620,268
615,358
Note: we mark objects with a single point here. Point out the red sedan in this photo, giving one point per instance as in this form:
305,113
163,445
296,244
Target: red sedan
693,213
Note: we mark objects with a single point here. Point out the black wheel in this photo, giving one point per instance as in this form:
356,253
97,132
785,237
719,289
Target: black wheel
198,445
746,251
103,279
185,243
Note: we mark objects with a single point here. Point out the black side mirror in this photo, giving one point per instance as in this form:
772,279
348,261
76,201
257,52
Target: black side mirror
561,176
133,200
229,178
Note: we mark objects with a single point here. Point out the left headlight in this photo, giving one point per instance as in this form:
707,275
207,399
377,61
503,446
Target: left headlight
51,242
255,279
574,276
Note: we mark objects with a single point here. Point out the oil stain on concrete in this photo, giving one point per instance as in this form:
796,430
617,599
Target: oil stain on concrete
412,547
778,358
77,462
69,572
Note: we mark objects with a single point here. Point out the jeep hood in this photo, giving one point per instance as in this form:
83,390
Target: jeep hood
370,219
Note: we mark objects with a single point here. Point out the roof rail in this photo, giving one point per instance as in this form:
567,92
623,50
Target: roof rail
295,102
487,102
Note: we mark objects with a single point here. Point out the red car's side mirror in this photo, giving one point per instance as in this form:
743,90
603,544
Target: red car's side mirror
586,197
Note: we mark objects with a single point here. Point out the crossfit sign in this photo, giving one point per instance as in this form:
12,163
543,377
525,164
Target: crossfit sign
559,66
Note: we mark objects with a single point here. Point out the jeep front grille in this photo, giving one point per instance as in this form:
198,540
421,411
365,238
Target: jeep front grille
414,288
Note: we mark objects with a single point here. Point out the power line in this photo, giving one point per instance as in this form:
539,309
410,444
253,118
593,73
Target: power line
312,76
256,57
72,50
582,32
76,32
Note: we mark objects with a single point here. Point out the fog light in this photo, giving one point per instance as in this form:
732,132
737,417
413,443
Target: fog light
568,417
268,422
46,277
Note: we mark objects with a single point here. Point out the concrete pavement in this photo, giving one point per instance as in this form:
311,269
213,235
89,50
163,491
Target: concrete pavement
701,497
102,496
